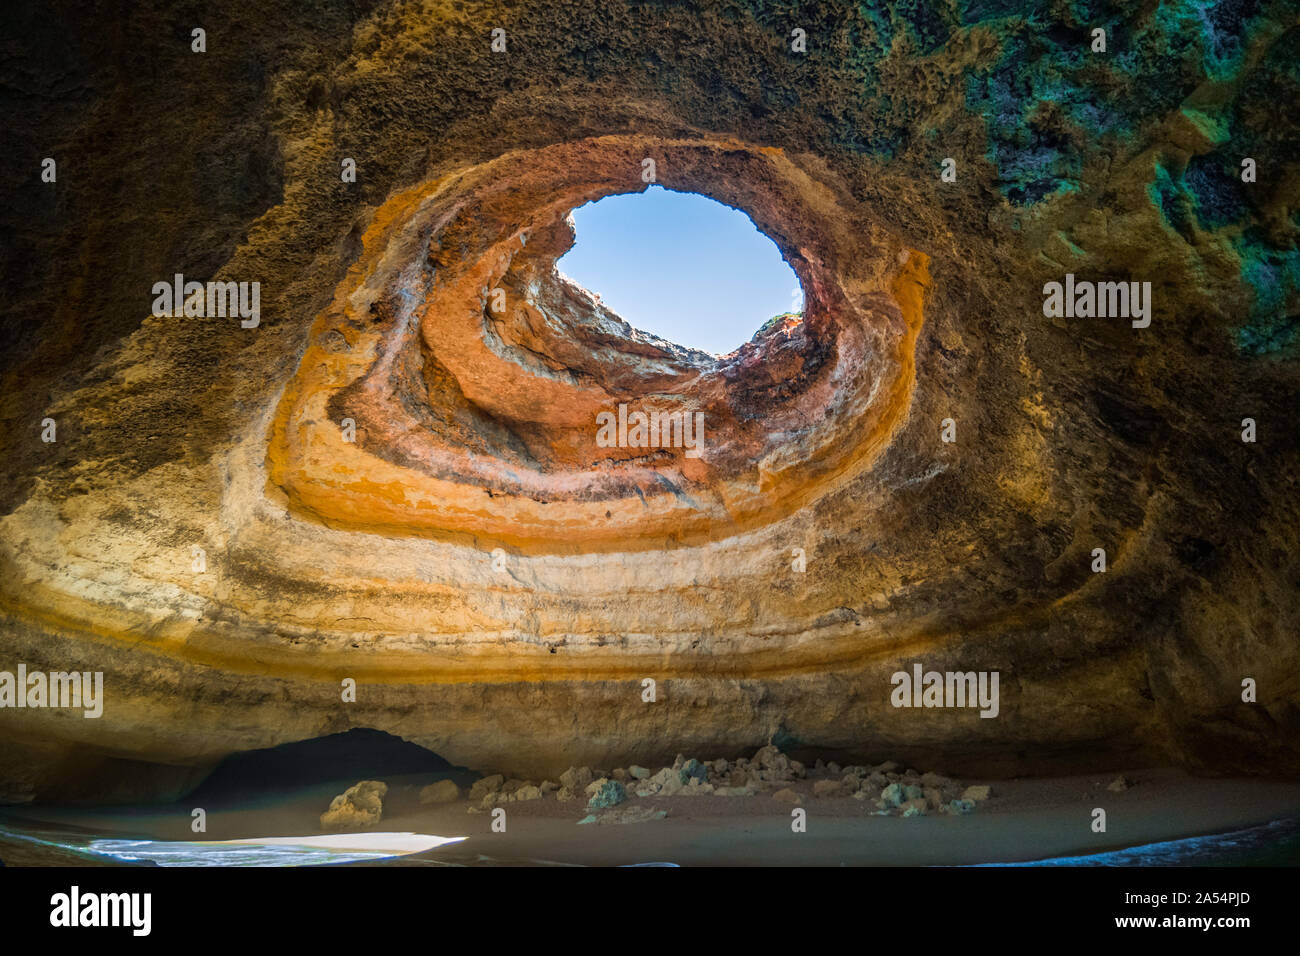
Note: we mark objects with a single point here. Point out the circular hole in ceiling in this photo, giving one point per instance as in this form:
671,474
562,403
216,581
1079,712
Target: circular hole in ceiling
681,266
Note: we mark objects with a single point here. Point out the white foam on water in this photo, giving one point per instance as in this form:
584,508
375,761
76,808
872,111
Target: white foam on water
272,851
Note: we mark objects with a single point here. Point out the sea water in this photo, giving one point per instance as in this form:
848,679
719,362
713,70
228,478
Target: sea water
1270,844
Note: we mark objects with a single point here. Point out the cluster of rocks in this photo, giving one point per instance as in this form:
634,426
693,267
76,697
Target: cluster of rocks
887,787
488,792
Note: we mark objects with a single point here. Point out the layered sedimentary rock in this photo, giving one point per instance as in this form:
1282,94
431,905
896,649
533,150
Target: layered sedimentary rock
394,477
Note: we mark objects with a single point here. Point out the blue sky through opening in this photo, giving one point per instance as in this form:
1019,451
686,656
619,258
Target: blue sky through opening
682,266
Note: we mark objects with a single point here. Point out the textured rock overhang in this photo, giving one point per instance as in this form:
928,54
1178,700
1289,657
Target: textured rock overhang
481,422
327,559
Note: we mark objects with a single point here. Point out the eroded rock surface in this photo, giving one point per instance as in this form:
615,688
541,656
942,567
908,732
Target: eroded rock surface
496,584
361,805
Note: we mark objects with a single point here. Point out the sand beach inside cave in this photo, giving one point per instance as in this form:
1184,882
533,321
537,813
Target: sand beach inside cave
1024,820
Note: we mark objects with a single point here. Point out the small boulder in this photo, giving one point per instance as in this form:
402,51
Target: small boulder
668,780
961,806
1118,785
914,808
770,758
786,795
977,793
611,793
528,792
359,806
485,785
638,773
694,770
443,791
576,778
828,788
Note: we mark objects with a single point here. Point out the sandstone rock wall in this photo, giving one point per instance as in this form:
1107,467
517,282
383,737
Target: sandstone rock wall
496,585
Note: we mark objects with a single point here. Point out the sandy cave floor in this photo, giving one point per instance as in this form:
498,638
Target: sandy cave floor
1025,820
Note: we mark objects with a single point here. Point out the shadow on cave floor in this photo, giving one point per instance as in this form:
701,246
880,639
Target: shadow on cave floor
342,759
